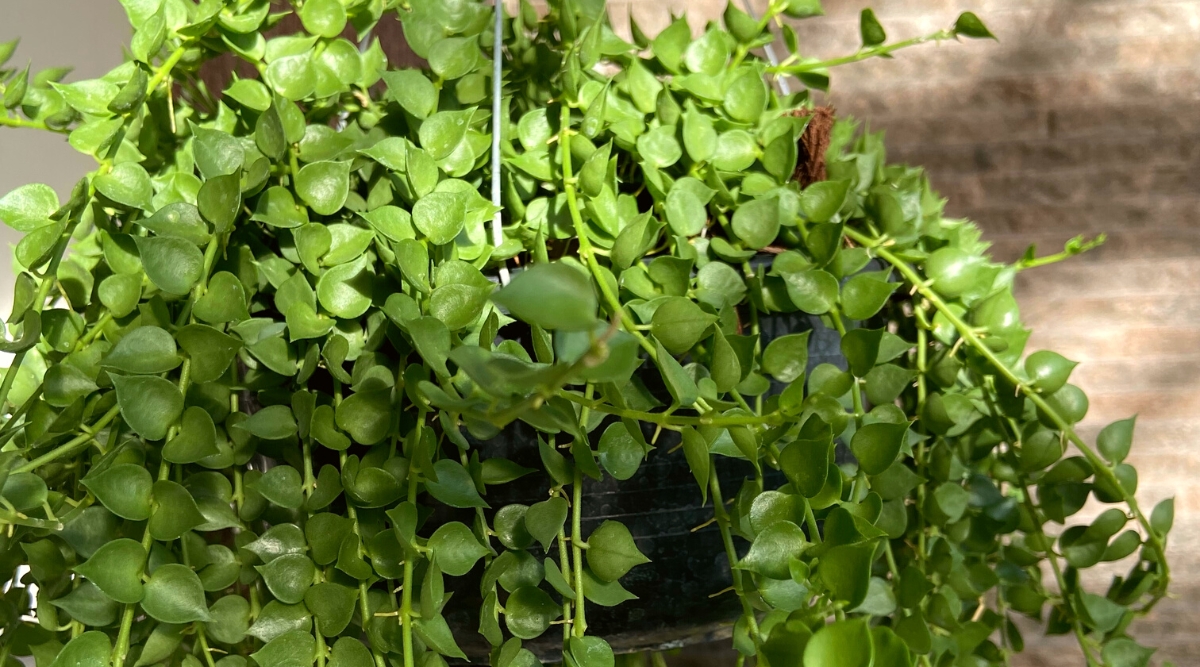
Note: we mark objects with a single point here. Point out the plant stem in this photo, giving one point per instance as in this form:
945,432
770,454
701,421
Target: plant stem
407,585
71,446
164,70
664,419
39,303
13,121
363,606
862,54
585,244
1102,469
579,627
714,485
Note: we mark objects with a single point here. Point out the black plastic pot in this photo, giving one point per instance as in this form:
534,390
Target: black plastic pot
661,506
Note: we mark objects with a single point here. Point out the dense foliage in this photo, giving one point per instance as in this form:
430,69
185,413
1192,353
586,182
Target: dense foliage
297,270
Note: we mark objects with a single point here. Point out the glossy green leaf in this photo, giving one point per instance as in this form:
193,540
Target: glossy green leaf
149,405
174,595
124,489
116,569
173,264
552,296
611,551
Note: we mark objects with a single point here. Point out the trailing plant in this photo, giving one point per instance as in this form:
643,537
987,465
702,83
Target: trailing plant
241,404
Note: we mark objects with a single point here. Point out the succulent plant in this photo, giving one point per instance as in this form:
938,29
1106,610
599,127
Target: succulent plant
258,350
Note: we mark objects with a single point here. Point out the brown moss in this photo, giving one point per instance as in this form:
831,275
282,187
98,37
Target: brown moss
810,162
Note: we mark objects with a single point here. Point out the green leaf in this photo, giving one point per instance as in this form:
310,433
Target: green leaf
220,201
659,148
695,450
175,511
440,216
120,293
552,296
864,294
171,263
292,77
611,552
823,199
843,644
88,605
870,29
458,305
295,648
757,222
277,618
273,422
726,367
124,489
1163,517
350,652
454,485
529,612
969,25
412,90
456,548
699,135
28,206
146,350
181,220
63,385
288,577
746,97
250,93
217,153
682,387
806,460
174,595
1119,652
1048,371
326,18
149,405
279,485
277,208
435,633
877,445
620,454
324,186
366,416
230,619
773,549
890,649
813,291
223,301
591,652
345,290
846,571
545,519
1115,440
861,349
116,569
679,324
127,184
453,57
90,649
210,350
786,357
803,9
442,132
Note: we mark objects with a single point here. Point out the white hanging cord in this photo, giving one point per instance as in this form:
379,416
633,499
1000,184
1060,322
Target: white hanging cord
769,49
497,62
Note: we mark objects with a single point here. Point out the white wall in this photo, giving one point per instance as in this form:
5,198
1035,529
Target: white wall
85,34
